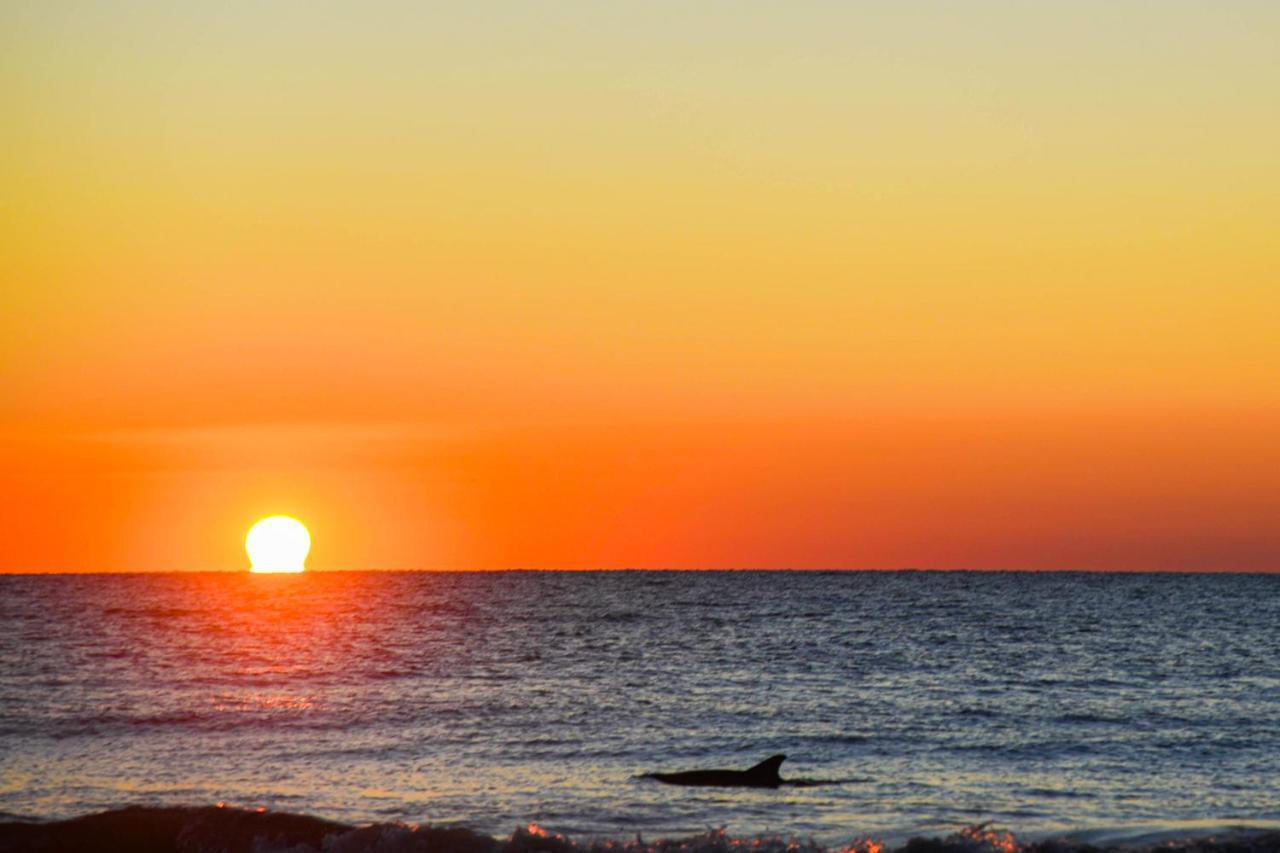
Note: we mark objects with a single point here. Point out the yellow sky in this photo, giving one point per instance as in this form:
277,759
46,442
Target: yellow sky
565,285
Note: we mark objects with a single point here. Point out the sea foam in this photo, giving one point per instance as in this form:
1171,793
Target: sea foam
218,829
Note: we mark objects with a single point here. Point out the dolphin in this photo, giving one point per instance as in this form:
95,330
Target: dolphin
762,775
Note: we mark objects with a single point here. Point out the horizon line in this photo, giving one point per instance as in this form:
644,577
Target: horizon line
638,569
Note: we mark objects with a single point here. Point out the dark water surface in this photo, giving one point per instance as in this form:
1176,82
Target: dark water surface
1042,702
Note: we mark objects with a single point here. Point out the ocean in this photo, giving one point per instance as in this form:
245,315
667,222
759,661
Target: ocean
1102,707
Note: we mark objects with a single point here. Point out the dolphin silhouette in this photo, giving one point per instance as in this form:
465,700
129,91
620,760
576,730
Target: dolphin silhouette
762,775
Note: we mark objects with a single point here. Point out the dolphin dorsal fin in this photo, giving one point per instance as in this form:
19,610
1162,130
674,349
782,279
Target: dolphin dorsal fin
768,767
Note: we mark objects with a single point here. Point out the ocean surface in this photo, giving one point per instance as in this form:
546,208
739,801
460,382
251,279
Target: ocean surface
1087,704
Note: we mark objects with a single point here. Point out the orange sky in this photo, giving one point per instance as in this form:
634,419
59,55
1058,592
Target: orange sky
881,285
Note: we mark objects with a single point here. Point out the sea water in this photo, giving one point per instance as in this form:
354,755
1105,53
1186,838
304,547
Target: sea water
1044,703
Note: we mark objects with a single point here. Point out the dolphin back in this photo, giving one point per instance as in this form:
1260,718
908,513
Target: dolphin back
767,771
762,775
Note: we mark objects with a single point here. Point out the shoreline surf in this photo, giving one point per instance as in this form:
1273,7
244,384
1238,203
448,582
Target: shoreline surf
227,829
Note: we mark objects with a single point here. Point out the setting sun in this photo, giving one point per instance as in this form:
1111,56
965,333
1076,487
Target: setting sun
277,544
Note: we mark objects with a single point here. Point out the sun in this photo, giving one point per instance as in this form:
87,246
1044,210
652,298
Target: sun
277,544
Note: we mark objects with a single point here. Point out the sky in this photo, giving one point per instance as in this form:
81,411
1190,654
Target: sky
655,285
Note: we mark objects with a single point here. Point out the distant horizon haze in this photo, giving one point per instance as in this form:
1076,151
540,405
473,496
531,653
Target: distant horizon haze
670,569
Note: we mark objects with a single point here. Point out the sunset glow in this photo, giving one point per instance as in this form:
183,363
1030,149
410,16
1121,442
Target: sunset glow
663,285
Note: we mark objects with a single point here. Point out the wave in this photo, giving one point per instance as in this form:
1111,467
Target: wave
219,829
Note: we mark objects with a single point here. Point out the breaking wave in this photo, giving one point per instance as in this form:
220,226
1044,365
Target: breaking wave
218,829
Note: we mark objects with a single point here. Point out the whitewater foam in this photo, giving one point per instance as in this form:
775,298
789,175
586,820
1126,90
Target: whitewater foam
219,829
